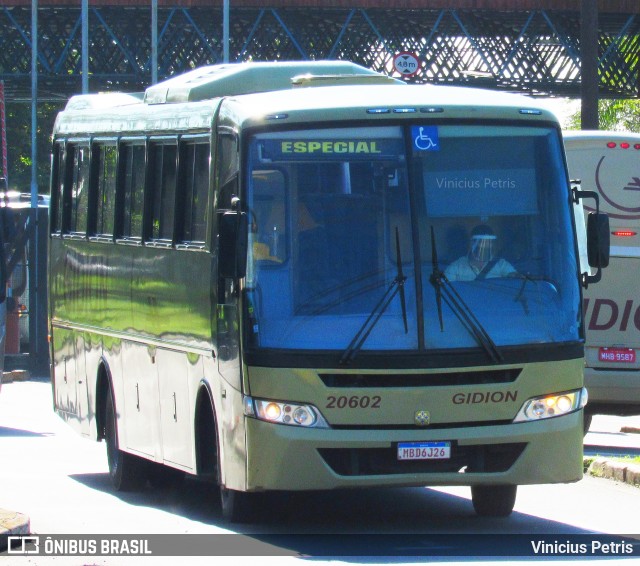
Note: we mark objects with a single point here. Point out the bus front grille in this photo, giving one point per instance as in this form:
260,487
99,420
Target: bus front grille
485,377
482,458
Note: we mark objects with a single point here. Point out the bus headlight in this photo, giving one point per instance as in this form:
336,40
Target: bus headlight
283,412
548,406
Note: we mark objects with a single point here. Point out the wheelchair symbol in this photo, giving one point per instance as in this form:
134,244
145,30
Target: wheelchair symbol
423,142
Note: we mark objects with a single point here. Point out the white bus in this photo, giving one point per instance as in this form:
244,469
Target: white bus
248,283
609,163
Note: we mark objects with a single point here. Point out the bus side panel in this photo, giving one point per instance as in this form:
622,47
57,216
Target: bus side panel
231,421
64,376
70,379
81,342
175,371
612,307
141,399
612,354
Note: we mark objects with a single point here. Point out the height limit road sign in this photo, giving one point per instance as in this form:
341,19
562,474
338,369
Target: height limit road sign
406,63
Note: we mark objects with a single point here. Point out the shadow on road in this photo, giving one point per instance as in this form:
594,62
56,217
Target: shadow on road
406,521
16,432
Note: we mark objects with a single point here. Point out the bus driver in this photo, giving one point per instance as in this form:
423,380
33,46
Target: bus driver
480,262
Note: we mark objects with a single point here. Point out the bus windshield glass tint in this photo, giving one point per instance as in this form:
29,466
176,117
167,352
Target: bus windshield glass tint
340,219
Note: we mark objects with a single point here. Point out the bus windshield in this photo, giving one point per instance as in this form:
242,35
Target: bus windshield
417,238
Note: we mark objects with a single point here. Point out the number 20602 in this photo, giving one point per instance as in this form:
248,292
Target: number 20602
354,402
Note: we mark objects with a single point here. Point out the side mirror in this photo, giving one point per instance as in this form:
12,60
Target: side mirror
232,244
598,239
598,236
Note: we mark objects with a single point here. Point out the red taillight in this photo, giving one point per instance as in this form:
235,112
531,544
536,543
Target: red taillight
624,233
623,145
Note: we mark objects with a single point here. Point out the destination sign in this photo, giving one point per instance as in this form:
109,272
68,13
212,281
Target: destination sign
285,150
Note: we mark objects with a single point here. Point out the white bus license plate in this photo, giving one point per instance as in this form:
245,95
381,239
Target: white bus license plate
424,450
617,355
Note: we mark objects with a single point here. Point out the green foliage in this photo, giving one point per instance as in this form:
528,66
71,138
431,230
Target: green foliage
19,158
616,114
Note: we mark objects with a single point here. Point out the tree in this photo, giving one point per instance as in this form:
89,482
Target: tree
18,116
613,114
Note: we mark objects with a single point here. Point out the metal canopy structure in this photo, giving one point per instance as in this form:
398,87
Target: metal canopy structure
501,45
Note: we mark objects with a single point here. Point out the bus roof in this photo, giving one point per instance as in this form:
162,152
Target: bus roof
599,134
214,81
258,93
361,102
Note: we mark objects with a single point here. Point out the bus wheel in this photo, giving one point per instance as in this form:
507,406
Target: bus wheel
237,506
127,472
493,500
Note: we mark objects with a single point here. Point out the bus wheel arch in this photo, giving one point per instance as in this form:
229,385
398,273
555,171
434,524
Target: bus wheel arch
206,436
236,506
103,384
126,471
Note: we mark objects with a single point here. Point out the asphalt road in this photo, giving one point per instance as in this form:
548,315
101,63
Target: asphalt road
60,481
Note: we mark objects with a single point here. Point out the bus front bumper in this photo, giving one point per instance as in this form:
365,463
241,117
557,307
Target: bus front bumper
282,457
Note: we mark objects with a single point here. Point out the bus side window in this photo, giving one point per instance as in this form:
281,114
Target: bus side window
79,156
227,170
105,158
57,188
132,190
267,217
193,190
162,191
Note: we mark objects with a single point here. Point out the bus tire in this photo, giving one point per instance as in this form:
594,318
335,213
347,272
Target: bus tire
237,506
127,472
587,418
493,500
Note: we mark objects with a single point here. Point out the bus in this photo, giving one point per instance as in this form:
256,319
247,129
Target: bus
609,163
247,284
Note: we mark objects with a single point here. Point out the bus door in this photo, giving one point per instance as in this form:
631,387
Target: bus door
227,321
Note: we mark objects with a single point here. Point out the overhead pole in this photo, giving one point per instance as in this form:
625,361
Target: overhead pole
154,41
38,353
589,63
3,133
34,103
225,31
85,46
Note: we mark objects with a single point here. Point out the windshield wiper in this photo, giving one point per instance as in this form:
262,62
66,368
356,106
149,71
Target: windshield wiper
397,286
437,278
521,297
444,290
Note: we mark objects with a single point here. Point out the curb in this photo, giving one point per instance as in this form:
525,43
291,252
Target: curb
12,523
614,470
630,429
15,375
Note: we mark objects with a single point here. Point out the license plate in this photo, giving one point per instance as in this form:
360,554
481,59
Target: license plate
617,355
424,450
